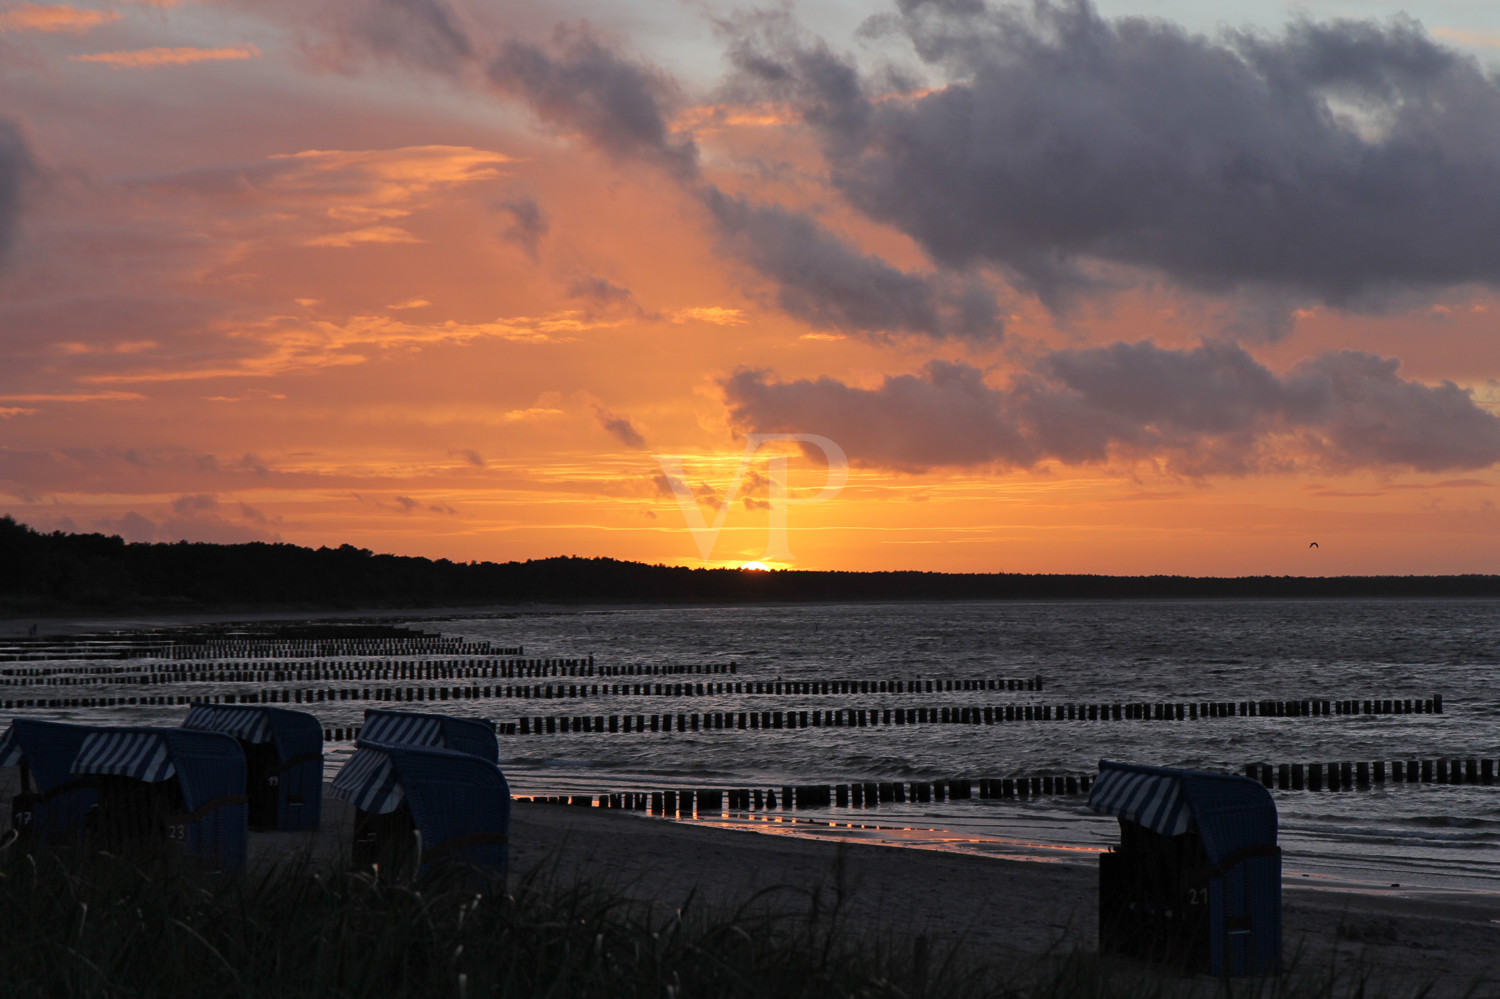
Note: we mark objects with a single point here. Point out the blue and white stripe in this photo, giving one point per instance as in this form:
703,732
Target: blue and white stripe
247,724
10,748
369,782
142,755
402,729
1155,801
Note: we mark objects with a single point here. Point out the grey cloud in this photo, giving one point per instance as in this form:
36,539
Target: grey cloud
1208,410
1379,418
599,290
187,506
581,83
620,428
422,33
15,164
425,31
1345,162
471,456
822,280
946,416
528,224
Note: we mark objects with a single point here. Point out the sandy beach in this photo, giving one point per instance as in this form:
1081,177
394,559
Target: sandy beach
997,909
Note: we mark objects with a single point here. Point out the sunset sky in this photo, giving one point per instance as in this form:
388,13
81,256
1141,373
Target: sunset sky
1129,288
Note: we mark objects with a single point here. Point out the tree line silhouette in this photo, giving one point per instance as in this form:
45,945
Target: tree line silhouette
61,572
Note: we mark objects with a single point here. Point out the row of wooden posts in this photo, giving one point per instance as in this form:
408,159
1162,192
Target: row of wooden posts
1291,777
281,672
364,669
1362,774
755,720
312,648
710,688
986,715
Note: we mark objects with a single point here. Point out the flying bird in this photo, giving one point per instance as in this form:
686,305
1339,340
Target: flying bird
1313,544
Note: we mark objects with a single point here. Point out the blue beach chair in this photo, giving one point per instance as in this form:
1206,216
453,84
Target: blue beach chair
283,760
418,806
168,785
474,736
52,802
1196,879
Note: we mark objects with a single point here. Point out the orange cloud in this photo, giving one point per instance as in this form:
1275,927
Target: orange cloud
154,57
54,18
373,234
394,176
715,314
296,344
72,397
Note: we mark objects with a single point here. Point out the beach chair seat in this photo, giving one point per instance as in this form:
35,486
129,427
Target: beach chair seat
178,787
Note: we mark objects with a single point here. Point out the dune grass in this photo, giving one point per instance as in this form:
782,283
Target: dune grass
74,923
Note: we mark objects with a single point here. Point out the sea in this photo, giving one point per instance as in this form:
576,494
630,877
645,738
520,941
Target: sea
1427,839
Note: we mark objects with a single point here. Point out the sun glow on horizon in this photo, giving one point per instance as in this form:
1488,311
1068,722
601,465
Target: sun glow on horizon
756,566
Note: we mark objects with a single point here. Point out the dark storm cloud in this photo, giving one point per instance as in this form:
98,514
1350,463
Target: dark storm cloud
580,83
1212,409
824,281
620,106
1343,161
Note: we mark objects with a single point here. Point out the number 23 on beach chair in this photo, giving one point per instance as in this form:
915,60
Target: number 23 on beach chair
168,785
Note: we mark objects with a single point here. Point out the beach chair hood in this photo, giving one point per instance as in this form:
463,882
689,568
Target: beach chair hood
47,748
410,728
1234,815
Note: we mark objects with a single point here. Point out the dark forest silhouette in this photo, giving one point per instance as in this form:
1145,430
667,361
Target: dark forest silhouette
59,572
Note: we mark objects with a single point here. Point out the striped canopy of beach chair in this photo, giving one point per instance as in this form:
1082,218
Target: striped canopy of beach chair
475,736
399,728
139,755
1154,800
369,781
247,724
